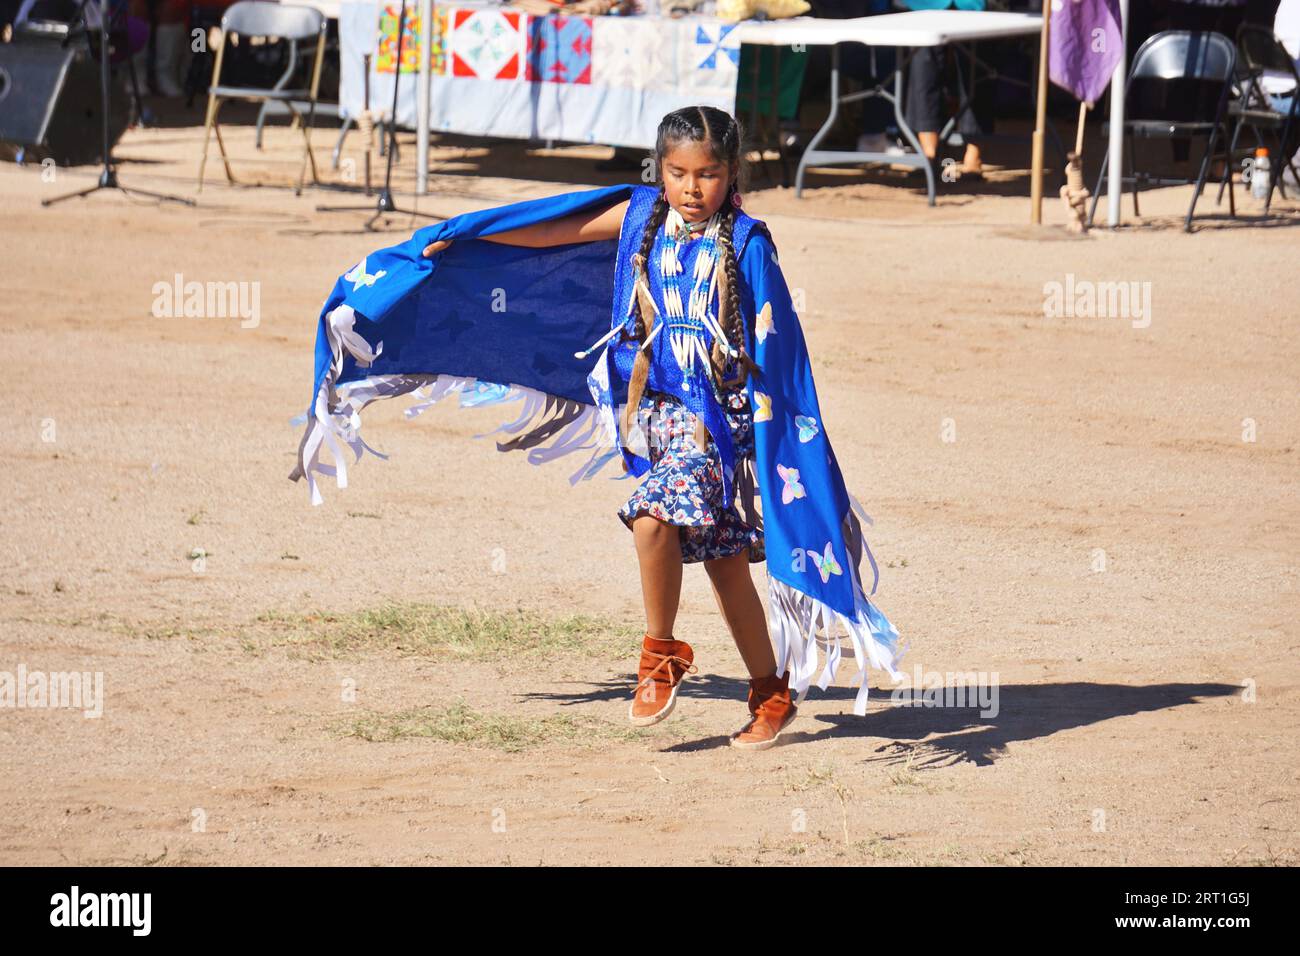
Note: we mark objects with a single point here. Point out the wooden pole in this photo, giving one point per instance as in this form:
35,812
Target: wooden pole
1040,123
1078,137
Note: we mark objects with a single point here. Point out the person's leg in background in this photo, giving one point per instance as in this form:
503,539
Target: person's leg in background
976,120
171,39
138,11
923,103
8,13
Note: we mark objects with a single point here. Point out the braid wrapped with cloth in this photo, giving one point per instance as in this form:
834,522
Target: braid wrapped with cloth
397,323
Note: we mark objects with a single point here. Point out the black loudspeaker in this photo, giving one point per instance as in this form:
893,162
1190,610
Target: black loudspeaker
50,103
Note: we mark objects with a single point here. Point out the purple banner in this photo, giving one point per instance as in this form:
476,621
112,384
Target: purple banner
1085,46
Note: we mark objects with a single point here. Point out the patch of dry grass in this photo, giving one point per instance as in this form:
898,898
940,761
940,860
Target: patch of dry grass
461,724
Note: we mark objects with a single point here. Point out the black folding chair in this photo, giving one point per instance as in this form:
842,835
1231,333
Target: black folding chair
1262,57
1177,88
272,21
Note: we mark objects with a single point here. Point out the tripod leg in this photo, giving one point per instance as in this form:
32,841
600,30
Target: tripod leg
161,197
80,192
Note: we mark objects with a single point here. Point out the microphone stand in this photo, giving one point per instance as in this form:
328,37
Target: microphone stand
386,203
108,177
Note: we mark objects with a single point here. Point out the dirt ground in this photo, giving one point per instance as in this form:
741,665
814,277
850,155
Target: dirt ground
1095,516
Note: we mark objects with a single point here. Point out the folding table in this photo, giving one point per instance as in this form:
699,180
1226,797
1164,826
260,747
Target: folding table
903,31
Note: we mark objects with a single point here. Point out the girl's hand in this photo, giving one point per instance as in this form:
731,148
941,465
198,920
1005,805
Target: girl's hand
435,247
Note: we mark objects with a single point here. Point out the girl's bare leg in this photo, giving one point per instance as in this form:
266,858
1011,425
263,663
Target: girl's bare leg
929,143
743,611
659,551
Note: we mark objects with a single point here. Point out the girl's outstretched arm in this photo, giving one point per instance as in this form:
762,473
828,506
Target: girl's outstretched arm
585,226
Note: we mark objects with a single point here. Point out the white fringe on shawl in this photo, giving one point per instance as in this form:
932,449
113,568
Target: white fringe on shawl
794,618
335,419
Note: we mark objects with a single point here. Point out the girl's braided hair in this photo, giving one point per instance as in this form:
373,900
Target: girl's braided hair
721,133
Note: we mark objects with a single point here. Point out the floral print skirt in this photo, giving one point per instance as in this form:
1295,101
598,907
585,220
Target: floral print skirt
684,484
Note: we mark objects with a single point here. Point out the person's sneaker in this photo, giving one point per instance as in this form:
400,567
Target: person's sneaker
664,665
771,712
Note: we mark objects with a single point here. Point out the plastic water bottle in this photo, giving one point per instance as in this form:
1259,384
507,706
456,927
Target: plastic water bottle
1260,175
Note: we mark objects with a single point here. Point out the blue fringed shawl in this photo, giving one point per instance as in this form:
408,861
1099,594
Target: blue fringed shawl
498,323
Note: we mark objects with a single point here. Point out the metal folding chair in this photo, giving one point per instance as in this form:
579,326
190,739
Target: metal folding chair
1178,87
271,21
1262,58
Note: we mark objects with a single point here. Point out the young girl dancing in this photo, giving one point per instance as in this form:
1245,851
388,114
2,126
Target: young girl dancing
717,407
